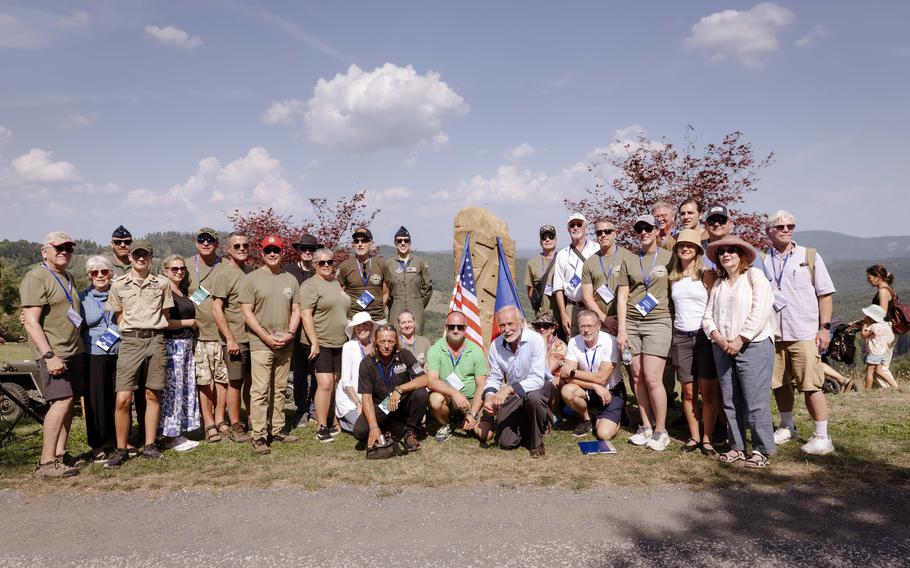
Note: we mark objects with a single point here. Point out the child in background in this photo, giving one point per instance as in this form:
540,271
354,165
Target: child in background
878,336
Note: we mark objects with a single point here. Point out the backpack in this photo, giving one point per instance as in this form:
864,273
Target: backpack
898,315
843,344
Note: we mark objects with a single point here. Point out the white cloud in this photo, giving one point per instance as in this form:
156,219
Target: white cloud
16,35
362,111
520,152
36,166
79,120
816,33
174,37
76,19
745,35
5,134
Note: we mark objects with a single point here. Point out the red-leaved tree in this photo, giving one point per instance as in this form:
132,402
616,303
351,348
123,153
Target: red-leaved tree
633,175
330,224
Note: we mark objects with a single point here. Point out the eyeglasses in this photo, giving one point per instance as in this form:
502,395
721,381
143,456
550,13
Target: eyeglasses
727,250
329,262
601,232
206,240
65,247
122,242
402,241
789,227
575,224
361,241
97,273
639,229
547,236
241,246
716,221
177,269
455,326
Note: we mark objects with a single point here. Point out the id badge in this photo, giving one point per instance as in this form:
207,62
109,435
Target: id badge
455,382
548,290
606,293
575,281
199,296
74,317
108,339
648,303
384,405
365,299
779,301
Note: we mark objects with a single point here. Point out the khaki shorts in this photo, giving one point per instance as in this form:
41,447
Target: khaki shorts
651,337
798,361
238,366
141,357
210,366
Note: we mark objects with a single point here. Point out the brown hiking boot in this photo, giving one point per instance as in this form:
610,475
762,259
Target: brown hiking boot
238,433
537,452
284,438
261,447
54,469
410,441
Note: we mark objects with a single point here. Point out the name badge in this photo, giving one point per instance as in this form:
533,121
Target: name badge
455,382
411,269
365,299
199,296
574,282
384,405
108,339
779,301
548,290
74,317
606,293
648,303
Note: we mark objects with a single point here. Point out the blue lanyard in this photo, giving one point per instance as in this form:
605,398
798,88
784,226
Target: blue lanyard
363,353
364,277
593,360
647,279
387,381
779,277
455,361
106,316
612,260
198,281
69,297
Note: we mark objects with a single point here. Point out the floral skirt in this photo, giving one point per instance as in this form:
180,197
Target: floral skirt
179,401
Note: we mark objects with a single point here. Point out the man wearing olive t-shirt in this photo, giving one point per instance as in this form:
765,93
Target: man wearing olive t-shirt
365,278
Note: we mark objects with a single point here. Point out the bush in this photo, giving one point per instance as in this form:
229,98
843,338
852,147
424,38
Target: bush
10,327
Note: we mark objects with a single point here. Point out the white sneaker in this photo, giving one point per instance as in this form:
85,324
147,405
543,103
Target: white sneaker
180,444
659,442
818,446
783,435
641,437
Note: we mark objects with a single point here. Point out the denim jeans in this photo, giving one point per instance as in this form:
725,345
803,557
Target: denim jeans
745,386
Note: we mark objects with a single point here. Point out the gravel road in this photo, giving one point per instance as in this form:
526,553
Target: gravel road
465,527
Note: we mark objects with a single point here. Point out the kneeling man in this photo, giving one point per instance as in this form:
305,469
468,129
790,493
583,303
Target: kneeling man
592,384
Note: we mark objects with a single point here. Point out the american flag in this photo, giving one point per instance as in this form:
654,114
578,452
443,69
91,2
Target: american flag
464,296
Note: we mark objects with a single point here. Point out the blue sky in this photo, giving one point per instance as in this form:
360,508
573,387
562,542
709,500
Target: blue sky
167,115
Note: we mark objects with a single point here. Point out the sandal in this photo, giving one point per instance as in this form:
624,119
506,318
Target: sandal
757,460
691,445
707,448
211,434
732,456
223,429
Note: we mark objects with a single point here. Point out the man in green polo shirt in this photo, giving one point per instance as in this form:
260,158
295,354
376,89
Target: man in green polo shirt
456,370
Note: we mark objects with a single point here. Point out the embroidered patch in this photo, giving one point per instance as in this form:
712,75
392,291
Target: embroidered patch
288,293
376,279
660,271
399,368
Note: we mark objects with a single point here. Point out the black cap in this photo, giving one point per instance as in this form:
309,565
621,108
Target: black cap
306,241
363,232
121,233
717,210
402,232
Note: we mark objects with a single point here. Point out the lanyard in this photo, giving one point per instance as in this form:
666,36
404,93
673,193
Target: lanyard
69,295
382,371
106,316
647,279
198,281
551,341
593,360
455,361
612,260
779,277
363,353
364,277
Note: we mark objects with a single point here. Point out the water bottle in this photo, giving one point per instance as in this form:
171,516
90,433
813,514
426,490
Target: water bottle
626,355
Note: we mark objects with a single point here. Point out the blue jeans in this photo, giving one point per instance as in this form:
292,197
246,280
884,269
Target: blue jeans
745,387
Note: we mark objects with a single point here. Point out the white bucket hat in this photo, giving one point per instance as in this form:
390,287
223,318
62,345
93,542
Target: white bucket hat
875,312
359,318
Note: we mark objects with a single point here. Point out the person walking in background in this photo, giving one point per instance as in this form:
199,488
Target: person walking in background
878,335
879,278
179,400
302,374
539,273
410,284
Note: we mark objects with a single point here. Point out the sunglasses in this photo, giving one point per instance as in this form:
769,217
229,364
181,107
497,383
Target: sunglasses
300,248
206,240
122,242
271,250
455,326
66,247
789,227
727,250
402,241
540,326
325,262
97,273
601,232
716,221
241,246
140,254
177,269
639,229
575,224
361,241
547,236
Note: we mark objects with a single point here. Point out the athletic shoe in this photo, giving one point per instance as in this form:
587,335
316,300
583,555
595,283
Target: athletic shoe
583,429
659,441
285,438
324,436
70,461
151,452
334,431
185,445
818,446
171,443
260,446
54,469
116,458
783,435
443,433
641,437
303,420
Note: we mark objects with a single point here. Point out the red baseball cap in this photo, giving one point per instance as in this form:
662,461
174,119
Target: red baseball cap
272,241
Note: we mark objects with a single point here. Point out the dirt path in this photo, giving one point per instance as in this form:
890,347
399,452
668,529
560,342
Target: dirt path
488,526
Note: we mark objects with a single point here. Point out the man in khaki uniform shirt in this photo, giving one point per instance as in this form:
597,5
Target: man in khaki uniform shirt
141,302
540,289
410,286
365,278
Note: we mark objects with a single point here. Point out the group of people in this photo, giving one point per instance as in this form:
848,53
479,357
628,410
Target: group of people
211,335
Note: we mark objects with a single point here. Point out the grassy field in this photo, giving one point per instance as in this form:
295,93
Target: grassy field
870,431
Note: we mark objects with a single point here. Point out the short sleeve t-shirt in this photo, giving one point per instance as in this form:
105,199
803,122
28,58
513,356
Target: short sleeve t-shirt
40,288
141,301
379,380
602,269
330,310
636,269
356,278
227,280
271,296
881,338
469,365
537,267
183,308
590,358
202,274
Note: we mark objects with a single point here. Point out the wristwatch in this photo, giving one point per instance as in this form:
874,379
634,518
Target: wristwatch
48,355
399,391
572,373
826,326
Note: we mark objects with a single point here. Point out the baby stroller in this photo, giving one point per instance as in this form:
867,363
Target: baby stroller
842,349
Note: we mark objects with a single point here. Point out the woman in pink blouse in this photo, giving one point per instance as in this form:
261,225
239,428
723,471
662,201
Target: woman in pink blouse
738,322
